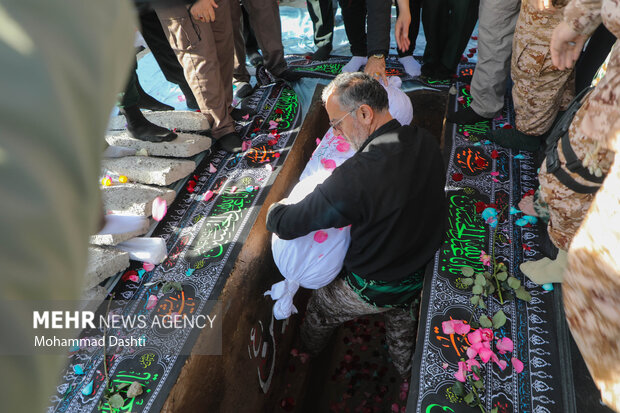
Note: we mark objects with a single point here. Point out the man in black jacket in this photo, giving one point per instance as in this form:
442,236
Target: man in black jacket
391,192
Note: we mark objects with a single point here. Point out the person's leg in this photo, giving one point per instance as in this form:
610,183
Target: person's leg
240,72
251,44
265,21
354,19
434,17
138,126
329,307
496,26
194,43
400,332
461,23
322,16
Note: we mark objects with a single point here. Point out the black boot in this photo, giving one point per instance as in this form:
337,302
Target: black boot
231,143
322,53
465,116
141,128
238,113
147,101
244,89
190,100
289,75
512,138
254,57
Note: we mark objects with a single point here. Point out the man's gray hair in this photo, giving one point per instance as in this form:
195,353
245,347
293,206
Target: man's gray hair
356,89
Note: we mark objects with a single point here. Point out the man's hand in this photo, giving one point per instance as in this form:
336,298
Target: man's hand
375,68
401,31
204,10
566,45
543,5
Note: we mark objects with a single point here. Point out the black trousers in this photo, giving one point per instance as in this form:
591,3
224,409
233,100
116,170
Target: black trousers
322,16
354,17
592,57
448,24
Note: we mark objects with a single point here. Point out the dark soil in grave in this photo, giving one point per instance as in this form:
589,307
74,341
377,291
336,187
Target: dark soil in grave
353,374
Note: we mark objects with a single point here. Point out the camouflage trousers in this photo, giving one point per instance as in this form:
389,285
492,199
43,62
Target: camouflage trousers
336,303
540,90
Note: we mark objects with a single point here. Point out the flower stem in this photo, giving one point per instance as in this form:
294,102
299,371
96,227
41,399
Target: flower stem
499,290
471,383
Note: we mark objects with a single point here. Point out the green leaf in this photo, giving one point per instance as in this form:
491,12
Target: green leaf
501,267
121,386
479,384
491,289
476,371
467,271
467,281
514,283
522,294
495,410
474,299
177,286
482,305
502,275
116,401
487,275
485,321
474,323
499,319
458,388
477,289
469,397
480,280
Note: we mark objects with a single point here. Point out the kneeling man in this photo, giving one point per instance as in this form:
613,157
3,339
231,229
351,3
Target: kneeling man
391,192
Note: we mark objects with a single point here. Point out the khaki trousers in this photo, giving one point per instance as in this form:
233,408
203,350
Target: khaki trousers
205,50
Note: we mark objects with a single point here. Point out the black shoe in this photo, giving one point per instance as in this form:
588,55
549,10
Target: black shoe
322,53
255,58
465,116
146,101
289,75
231,143
244,89
238,113
190,100
443,73
140,128
512,138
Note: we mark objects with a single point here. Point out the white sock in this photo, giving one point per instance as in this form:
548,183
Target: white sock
412,67
355,63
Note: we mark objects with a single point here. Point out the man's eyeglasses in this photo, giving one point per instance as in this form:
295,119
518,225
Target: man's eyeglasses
336,125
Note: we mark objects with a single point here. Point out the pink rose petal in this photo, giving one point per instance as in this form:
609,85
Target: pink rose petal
474,337
517,364
328,163
343,147
460,374
461,328
148,266
246,145
160,207
245,117
504,344
208,195
152,302
447,327
485,354
273,124
212,169
133,278
320,236
495,173
318,141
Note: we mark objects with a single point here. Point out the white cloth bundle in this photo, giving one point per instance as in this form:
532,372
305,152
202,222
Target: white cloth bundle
314,260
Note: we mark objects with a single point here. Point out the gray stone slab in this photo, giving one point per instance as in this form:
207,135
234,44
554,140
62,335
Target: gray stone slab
133,199
104,262
119,228
184,146
182,120
150,170
92,298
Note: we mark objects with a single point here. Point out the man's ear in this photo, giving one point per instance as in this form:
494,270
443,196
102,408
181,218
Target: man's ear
367,113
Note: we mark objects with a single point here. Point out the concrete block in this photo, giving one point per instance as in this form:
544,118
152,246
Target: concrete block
184,146
133,199
104,262
92,298
120,228
181,120
150,170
